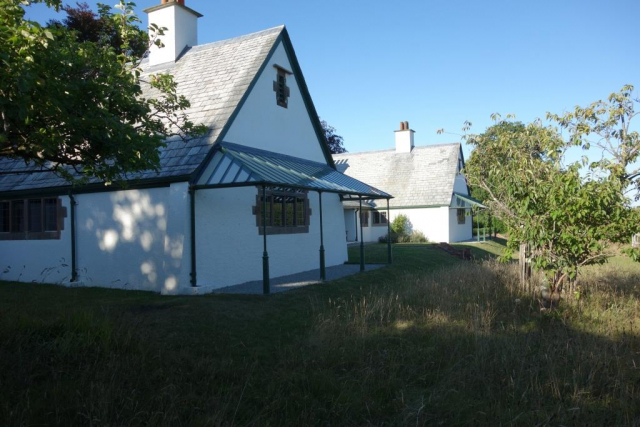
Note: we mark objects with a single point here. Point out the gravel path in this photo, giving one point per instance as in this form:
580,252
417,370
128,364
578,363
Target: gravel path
298,280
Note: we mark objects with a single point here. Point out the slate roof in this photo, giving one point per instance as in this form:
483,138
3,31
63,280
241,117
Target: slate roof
213,76
423,177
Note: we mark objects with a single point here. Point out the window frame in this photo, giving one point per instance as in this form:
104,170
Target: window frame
462,216
380,216
300,198
43,231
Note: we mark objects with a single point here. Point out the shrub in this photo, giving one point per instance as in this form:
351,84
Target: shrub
385,238
401,225
415,237
418,237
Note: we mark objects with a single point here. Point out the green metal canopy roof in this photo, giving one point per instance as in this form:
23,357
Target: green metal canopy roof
236,165
468,199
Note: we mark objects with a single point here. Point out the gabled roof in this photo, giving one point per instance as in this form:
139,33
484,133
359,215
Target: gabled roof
423,177
215,78
235,165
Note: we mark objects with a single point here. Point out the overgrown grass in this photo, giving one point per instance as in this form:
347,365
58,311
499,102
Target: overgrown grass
430,340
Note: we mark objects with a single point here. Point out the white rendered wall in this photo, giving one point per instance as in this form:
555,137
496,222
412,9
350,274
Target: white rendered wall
121,238
46,261
460,232
404,141
229,248
182,31
261,123
177,246
372,233
460,185
350,224
433,222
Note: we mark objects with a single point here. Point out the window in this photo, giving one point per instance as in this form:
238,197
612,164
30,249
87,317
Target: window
31,219
35,215
461,216
17,216
287,211
5,215
364,218
379,218
280,86
50,214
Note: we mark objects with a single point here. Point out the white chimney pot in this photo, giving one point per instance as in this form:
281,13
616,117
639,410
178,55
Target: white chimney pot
181,25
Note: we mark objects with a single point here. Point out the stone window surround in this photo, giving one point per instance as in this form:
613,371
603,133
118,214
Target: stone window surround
61,213
271,229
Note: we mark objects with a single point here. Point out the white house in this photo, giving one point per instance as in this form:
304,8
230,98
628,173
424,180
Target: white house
257,197
427,185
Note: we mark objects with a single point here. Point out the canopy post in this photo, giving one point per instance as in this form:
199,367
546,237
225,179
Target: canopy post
323,275
265,255
389,258
192,202
361,238
72,207
484,229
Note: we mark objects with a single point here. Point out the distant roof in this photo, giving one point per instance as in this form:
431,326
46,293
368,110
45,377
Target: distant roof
423,177
213,77
239,165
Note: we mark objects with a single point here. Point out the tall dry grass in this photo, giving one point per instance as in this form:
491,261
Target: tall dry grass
458,346
466,345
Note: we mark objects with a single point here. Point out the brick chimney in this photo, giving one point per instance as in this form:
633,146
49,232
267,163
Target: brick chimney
182,30
404,138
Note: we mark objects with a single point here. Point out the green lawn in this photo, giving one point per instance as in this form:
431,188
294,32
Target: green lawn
429,340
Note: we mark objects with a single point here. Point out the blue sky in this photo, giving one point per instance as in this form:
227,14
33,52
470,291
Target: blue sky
370,65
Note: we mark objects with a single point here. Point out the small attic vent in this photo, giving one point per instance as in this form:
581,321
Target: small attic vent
280,86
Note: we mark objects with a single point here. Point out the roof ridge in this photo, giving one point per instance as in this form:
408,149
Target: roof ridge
243,36
200,47
393,149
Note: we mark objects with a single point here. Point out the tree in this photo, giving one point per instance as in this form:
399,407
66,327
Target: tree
100,28
608,126
568,212
335,141
76,107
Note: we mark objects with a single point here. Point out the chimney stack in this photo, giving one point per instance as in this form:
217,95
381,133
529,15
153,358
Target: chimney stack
404,138
182,30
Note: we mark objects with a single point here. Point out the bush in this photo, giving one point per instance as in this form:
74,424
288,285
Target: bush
385,238
401,225
418,237
415,237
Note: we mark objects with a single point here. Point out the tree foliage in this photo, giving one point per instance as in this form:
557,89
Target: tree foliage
75,106
100,28
568,212
335,141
